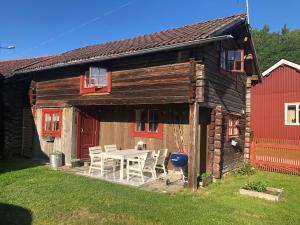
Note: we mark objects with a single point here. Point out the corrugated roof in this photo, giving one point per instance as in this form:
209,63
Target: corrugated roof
170,37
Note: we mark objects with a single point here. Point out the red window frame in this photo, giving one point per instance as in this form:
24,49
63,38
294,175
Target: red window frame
226,60
233,128
147,133
95,89
50,132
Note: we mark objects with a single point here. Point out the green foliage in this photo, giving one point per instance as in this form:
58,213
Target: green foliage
246,170
273,46
258,186
203,176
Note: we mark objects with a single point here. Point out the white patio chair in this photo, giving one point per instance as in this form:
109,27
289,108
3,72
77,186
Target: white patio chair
95,155
141,163
110,148
160,160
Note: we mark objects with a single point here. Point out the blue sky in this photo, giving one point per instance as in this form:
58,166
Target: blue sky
38,27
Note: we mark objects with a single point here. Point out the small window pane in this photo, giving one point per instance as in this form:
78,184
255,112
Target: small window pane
97,77
238,66
86,80
47,122
55,122
94,76
223,59
103,77
291,114
141,118
153,121
299,114
231,55
230,65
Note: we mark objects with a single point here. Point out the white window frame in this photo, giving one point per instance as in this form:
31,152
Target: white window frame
286,105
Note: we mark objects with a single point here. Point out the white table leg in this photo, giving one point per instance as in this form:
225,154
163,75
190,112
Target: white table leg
121,169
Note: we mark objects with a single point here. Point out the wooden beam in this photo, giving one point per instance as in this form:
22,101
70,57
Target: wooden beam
193,145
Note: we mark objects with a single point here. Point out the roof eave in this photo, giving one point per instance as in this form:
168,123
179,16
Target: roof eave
128,54
280,63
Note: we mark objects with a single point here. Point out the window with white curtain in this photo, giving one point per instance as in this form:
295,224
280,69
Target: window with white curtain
292,114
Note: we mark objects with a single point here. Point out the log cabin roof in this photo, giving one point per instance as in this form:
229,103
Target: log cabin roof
165,38
10,66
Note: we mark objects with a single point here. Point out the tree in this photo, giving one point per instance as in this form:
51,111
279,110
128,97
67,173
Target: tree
273,46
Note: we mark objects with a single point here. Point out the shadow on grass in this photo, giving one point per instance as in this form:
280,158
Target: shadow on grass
12,214
9,165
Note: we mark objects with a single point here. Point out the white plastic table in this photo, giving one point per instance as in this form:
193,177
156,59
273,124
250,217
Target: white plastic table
121,155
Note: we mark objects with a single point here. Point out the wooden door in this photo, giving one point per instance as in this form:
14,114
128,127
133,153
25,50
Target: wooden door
88,134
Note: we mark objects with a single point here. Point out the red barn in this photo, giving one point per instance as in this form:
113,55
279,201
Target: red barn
275,117
275,104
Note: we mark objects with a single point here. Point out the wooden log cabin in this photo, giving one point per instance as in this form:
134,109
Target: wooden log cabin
183,89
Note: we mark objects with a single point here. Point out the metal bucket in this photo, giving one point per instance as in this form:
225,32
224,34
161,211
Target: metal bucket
56,160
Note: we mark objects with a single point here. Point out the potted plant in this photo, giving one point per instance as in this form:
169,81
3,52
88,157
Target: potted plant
205,179
56,159
259,189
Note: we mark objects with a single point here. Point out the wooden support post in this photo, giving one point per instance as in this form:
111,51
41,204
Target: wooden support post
193,145
248,120
218,142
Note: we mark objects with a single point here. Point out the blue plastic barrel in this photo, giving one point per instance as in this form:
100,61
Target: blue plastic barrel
179,159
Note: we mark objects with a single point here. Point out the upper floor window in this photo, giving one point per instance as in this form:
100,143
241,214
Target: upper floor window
51,122
292,114
232,60
97,80
147,123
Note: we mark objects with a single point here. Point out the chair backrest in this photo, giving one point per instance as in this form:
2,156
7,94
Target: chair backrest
110,148
96,150
161,156
149,159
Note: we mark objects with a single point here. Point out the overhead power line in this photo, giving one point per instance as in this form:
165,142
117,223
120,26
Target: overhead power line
73,29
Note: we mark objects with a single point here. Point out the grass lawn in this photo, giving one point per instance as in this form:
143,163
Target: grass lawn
33,194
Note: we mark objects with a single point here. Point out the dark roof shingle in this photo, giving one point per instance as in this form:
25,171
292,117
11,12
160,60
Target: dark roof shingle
188,33
8,67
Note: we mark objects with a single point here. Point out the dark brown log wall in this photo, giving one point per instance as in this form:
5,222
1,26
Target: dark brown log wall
15,98
227,90
155,79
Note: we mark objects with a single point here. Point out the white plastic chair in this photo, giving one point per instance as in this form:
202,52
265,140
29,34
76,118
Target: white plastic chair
95,155
160,160
110,148
141,163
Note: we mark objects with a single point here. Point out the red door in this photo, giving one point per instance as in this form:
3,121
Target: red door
88,134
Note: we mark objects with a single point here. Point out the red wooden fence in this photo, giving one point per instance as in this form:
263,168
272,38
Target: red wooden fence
276,155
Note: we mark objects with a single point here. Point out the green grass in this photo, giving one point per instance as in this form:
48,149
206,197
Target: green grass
33,194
